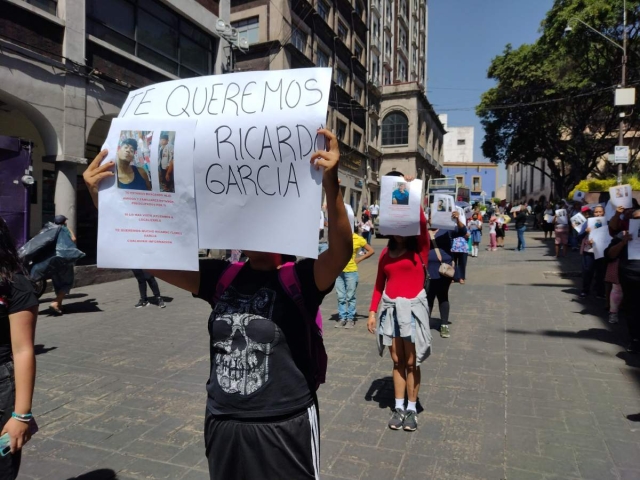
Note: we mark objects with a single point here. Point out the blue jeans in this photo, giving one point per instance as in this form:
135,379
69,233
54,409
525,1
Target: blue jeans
520,231
322,247
346,285
10,463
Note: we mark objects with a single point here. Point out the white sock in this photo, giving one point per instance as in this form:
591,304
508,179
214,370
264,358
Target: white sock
412,406
399,403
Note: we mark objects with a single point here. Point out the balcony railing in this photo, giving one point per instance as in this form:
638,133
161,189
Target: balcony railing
375,43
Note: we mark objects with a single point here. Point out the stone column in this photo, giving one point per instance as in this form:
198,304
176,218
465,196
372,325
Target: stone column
65,197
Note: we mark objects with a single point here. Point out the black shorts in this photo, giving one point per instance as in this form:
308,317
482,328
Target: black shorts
253,449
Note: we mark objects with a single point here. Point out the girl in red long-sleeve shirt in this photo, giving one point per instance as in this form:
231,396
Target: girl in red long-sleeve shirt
401,275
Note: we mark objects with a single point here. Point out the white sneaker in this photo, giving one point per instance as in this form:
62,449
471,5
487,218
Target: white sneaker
613,318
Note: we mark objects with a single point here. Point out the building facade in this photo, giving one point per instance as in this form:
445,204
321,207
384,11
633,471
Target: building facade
478,177
65,70
526,182
458,142
378,106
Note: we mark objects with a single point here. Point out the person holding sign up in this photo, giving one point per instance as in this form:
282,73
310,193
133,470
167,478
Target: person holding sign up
402,323
267,358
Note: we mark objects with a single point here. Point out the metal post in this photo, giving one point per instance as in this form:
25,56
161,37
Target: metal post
623,84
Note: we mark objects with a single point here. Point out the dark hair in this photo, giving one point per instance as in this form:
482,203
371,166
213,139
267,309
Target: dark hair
394,173
132,143
365,217
410,243
9,261
164,136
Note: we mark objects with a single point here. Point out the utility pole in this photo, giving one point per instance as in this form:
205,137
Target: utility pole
623,84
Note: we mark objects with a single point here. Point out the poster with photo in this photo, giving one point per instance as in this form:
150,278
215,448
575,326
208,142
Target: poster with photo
633,247
400,206
579,196
577,221
621,196
594,223
609,211
561,217
600,241
441,212
140,223
166,149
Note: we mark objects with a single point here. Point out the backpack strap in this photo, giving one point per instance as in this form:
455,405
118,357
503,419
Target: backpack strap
291,285
227,276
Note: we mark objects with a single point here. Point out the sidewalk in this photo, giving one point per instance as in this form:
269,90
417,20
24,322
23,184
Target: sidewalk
532,385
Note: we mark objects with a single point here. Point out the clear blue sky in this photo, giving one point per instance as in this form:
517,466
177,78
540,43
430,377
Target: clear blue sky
464,36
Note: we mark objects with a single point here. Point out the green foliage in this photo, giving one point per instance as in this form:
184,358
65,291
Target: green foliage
496,200
603,185
554,98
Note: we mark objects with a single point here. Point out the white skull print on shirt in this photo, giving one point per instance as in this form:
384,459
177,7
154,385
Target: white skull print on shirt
242,337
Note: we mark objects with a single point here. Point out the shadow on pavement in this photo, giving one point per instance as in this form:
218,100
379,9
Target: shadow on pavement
101,474
71,296
87,306
41,349
381,391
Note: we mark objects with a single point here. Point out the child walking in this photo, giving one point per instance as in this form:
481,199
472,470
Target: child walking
493,241
475,229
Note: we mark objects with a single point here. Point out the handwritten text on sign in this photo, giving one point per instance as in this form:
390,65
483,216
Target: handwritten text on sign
255,134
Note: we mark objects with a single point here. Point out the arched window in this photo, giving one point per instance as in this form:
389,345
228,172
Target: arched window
395,129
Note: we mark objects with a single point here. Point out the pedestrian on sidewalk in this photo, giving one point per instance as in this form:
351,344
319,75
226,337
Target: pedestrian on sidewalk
561,231
549,215
403,320
143,279
266,350
440,254
64,276
347,283
475,229
18,314
501,230
521,227
592,269
493,242
628,271
615,295
366,225
460,252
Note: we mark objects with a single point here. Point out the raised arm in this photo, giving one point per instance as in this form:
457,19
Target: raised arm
331,262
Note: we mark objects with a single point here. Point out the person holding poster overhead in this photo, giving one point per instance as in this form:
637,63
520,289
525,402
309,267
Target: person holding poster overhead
402,322
628,269
261,419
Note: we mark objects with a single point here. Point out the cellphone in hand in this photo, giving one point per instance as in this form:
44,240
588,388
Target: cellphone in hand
5,440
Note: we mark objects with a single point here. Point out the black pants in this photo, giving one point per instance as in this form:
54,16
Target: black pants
439,288
144,278
461,263
254,449
592,268
631,300
10,463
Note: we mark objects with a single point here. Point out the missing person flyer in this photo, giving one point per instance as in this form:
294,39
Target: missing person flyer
400,206
147,214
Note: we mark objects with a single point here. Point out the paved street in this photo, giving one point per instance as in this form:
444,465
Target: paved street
532,385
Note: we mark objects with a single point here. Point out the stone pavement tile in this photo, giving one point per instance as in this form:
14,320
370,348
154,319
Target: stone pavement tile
347,468
81,455
50,469
395,440
521,439
174,431
194,456
544,465
356,436
147,469
542,423
571,439
195,475
517,474
464,470
329,451
596,467
374,458
624,454
413,464
152,450
626,474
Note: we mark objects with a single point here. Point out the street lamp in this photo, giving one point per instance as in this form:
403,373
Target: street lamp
230,34
623,83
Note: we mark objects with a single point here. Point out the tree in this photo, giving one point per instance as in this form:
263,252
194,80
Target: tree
554,99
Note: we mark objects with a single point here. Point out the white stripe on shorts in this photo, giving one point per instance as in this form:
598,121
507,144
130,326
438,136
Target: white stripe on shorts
315,440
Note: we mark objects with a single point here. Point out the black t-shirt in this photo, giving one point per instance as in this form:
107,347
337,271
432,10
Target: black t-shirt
260,363
521,219
628,269
15,296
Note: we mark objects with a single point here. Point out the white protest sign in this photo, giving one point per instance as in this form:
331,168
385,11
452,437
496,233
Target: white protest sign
147,216
441,211
601,240
577,221
578,196
561,217
549,218
633,247
352,217
609,211
621,196
621,154
595,223
255,134
400,206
